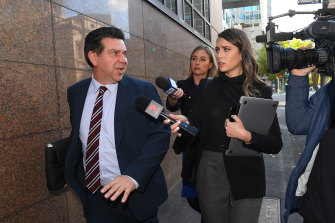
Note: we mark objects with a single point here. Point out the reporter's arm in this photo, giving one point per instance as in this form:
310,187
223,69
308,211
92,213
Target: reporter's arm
299,108
173,101
175,127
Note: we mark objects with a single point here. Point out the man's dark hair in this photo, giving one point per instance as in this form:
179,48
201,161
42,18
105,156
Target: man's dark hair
94,38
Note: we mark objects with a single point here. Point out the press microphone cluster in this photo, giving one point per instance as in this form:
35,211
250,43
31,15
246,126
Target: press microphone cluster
155,110
168,85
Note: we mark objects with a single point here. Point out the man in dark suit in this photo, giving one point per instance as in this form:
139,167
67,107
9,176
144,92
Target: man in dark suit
113,161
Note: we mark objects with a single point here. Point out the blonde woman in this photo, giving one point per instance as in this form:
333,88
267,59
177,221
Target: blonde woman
202,66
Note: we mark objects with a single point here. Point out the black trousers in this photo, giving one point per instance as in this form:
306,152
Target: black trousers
102,210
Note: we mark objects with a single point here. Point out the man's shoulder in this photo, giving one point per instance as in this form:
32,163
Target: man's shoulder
135,81
80,84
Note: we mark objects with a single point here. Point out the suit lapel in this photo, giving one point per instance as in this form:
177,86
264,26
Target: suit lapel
121,107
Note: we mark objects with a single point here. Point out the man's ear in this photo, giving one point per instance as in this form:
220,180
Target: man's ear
93,57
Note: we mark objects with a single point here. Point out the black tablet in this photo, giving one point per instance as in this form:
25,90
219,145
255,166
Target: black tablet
257,115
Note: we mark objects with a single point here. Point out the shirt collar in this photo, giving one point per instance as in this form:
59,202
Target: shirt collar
96,85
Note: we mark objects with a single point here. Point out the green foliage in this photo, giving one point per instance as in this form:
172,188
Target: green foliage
261,59
297,44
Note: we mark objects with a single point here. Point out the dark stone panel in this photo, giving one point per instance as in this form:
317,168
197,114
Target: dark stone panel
26,31
135,55
28,99
22,172
161,61
155,60
75,209
51,210
165,32
125,14
70,30
65,78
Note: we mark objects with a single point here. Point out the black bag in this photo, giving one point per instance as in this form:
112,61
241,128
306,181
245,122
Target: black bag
55,153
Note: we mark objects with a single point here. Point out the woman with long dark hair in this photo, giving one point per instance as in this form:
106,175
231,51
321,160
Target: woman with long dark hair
230,188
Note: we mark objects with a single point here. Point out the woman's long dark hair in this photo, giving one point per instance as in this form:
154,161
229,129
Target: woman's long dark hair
240,39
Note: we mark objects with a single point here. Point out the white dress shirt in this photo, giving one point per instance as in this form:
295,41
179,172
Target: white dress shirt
108,162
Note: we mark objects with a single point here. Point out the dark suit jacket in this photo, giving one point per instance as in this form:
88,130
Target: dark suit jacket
141,144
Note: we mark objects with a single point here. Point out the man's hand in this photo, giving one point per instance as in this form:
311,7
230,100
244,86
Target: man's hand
302,72
122,184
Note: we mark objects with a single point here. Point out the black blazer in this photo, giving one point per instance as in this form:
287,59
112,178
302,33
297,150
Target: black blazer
141,144
186,103
191,95
246,174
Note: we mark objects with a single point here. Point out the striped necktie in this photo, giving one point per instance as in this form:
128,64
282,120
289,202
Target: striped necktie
92,175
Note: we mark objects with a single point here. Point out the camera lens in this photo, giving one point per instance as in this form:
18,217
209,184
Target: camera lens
279,58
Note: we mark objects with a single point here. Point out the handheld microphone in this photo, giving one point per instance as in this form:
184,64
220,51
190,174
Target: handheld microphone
168,85
155,110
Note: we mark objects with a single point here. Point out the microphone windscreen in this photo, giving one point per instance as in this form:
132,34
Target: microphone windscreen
163,83
142,103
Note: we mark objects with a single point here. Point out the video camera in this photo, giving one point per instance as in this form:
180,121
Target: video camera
321,31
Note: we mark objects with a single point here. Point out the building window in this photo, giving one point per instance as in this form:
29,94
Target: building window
246,15
192,14
170,4
199,5
206,8
207,31
188,17
199,24
196,14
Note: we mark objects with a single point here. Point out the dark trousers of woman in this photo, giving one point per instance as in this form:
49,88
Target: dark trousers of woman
213,189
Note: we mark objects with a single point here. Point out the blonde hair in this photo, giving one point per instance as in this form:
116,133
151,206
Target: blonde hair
211,72
240,39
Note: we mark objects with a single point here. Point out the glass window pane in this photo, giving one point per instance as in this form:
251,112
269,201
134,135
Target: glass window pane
208,32
199,24
188,14
172,5
161,1
199,5
207,9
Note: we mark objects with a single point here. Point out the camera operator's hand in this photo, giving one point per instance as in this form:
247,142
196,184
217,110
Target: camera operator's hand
303,71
